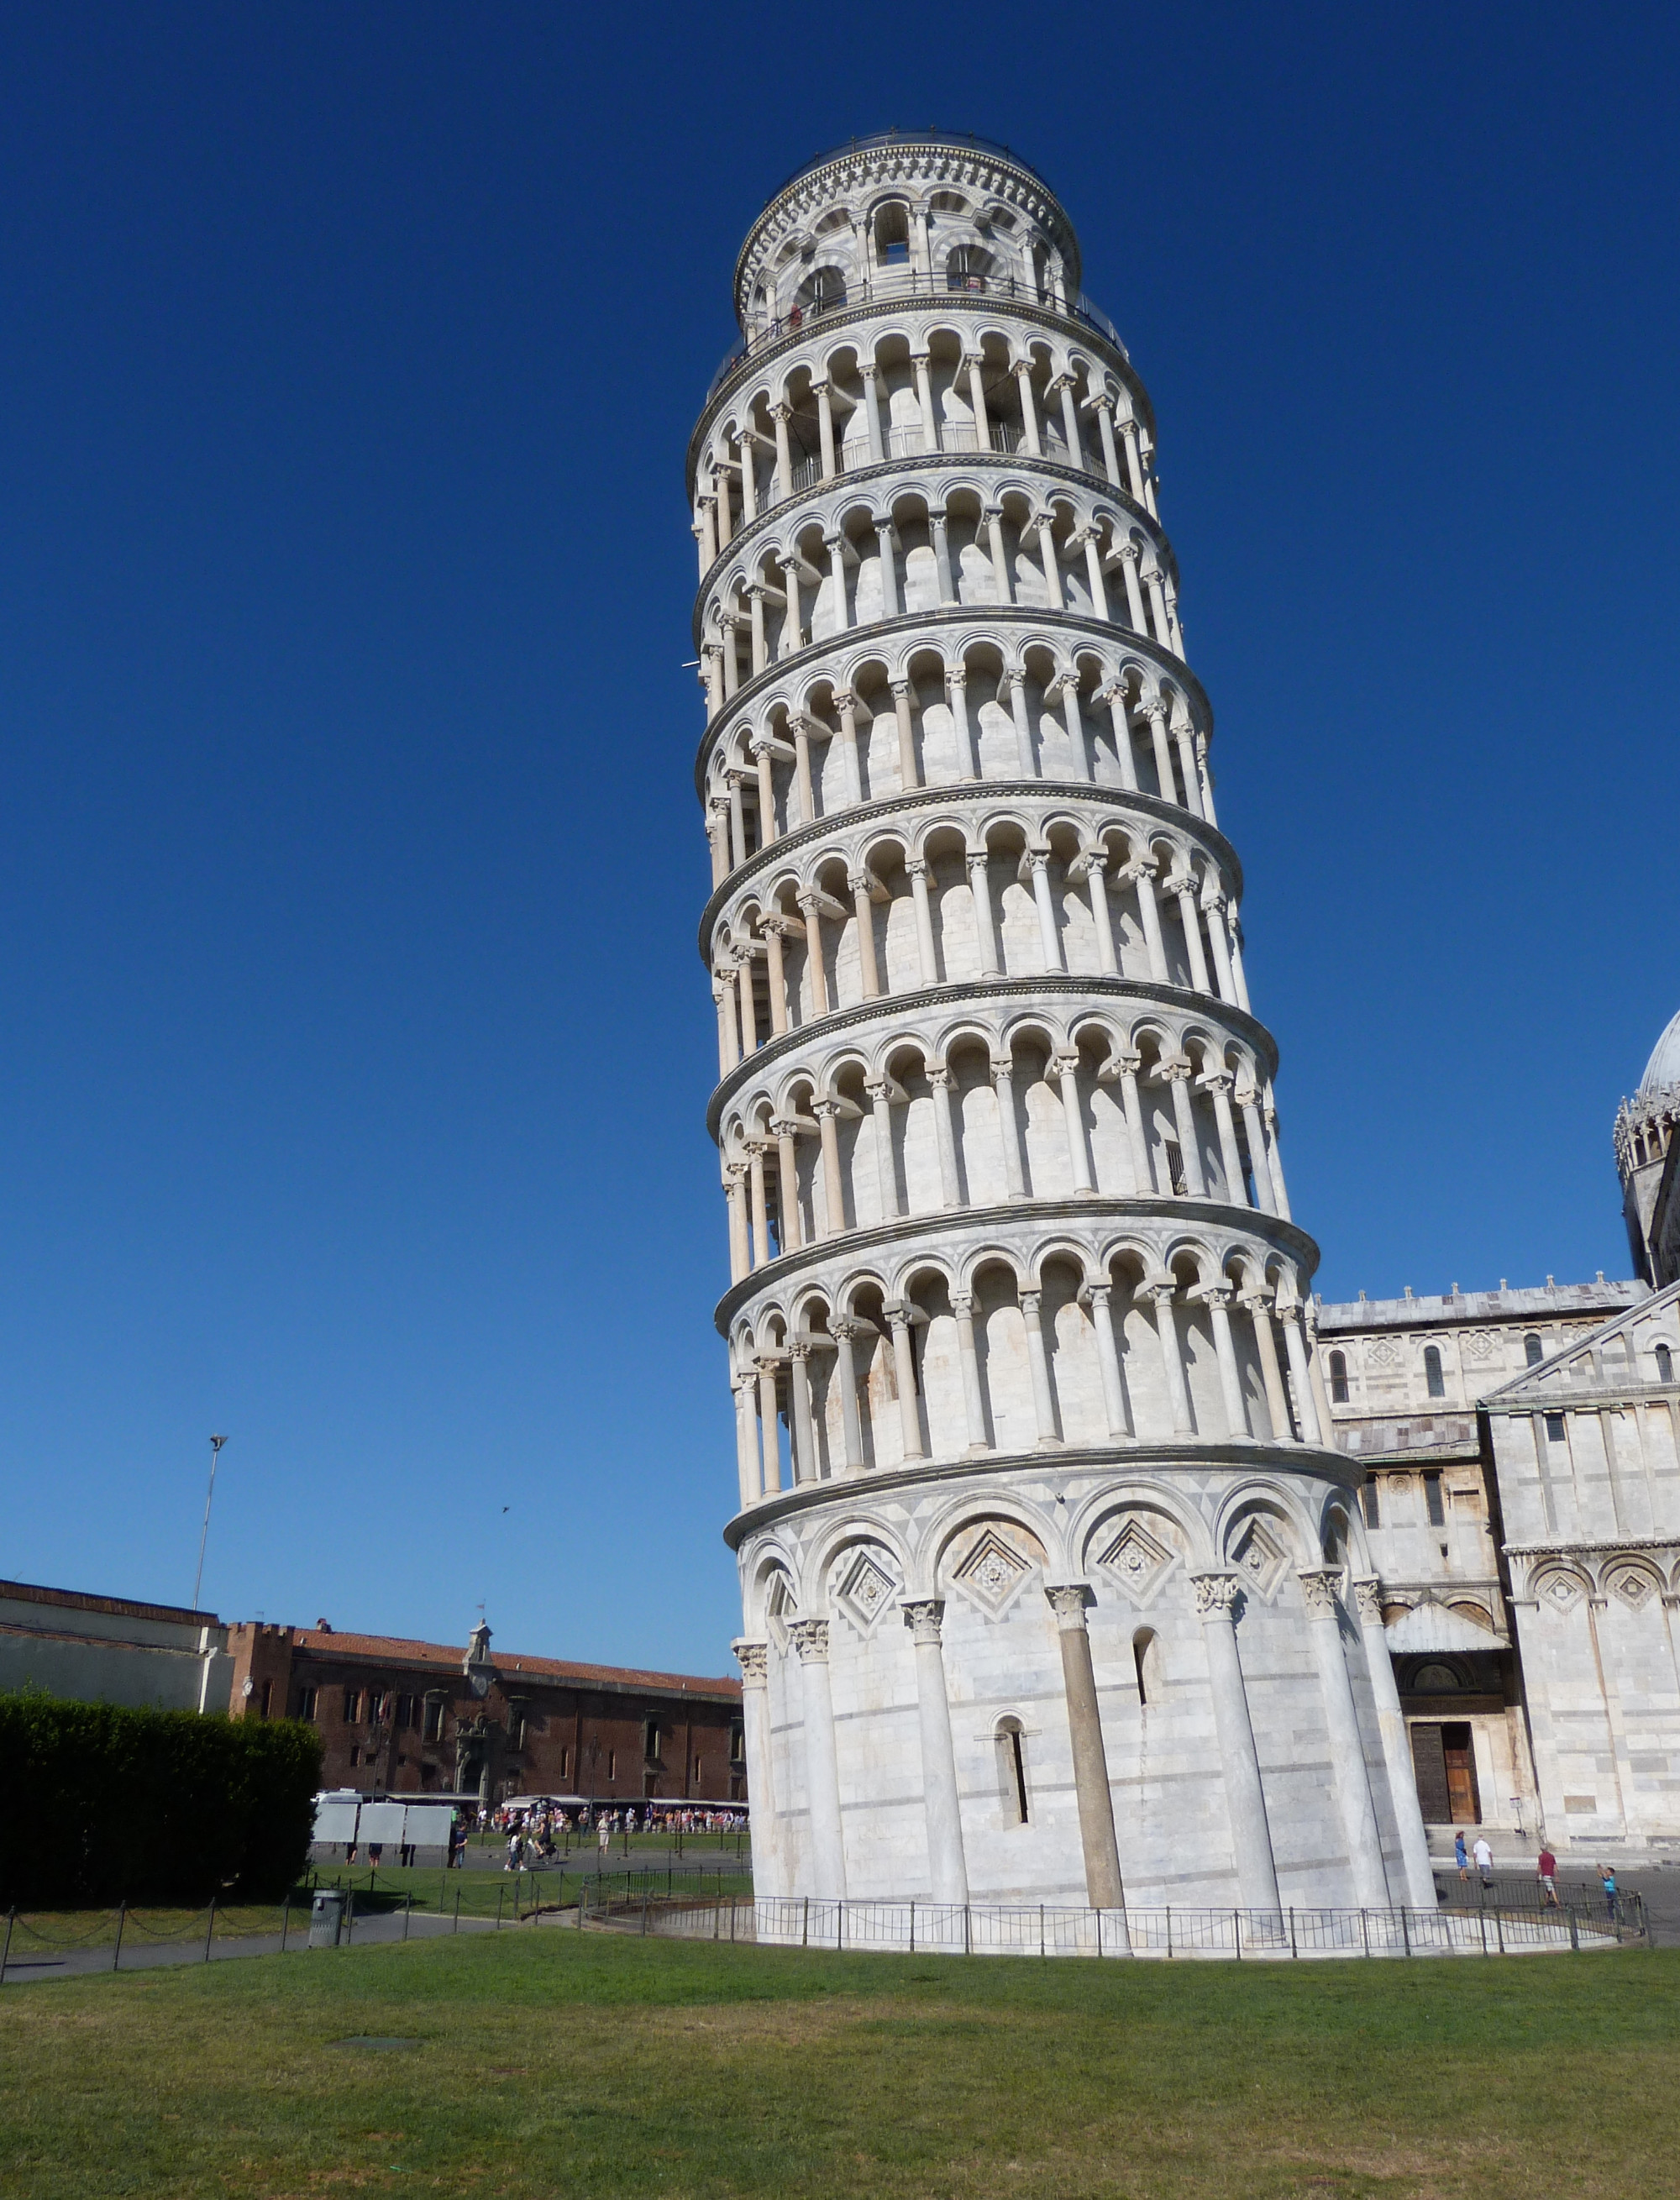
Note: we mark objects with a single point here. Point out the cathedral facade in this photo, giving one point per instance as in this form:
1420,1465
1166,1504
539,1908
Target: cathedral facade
1055,1585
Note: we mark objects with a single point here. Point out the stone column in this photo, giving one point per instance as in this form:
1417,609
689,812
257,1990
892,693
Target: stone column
1015,1174
1063,387
1093,569
1155,711
747,1439
957,687
707,532
889,573
833,1183
973,1398
1217,1297
811,906
1183,884
755,1719
1103,1889
977,401
1073,720
1259,1306
741,1247
788,1232
1099,1298
1212,908
1000,563
863,901
1134,471
1275,1160
1172,1357
761,656
1065,1069
1300,1381
867,370
1052,564
1175,1076
793,631
1245,1797
909,774
1038,862
880,1102
1397,1747
1093,870
845,1332
1029,410
1157,603
1104,408
761,1220
1038,1361
903,1368
924,398
768,1422
784,452
1184,734
1347,1745
1134,594
776,973
986,929
947,1868
927,956
728,1043
1025,760
825,429
1218,1087
749,1013
1141,875
737,819
1259,1167
940,531
846,704
945,1136
798,1389
835,547
810,1638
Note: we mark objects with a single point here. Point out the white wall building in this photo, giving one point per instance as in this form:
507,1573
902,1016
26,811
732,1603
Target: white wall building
1053,1584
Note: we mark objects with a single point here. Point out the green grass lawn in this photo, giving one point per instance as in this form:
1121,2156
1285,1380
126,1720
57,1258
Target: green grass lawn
552,2062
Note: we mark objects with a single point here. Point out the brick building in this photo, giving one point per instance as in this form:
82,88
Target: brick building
412,1717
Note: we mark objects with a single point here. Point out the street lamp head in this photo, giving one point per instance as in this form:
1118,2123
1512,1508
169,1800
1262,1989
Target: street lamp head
216,1442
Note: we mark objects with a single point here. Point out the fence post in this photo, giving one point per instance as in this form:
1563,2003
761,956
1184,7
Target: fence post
1405,1934
1364,1930
210,1930
407,1908
912,1925
805,1929
1099,1932
645,1900
1237,1933
285,1921
1293,1950
1482,1919
500,1890
1041,1928
457,1906
1169,1932
1574,1932
1499,1929
6,1951
350,1917
967,1933
116,1952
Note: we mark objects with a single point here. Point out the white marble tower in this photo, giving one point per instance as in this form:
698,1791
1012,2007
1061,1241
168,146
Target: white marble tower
1053,1590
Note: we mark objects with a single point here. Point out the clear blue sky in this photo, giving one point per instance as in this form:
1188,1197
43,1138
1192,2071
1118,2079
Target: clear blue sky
353,1047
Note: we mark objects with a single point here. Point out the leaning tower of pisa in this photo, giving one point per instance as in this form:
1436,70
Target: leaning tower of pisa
1053,1590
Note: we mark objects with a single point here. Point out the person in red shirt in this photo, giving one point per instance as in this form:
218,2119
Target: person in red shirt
1548,1880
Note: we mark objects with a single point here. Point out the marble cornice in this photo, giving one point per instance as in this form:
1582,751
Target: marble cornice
929,1233
1124,638
983,793
1058,984
1192,1454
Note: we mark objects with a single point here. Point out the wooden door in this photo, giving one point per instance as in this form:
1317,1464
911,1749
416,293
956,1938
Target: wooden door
1459,1754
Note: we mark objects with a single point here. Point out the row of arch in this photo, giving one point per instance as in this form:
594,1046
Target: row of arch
924,387
978,1117
901,552
1306,1525
999,1351
1012,898
952,711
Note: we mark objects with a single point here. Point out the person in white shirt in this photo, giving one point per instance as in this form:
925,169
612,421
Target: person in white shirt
1483,1856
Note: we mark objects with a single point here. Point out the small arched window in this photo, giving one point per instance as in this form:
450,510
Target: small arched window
821,292
1434,1381
1339,1379
967,268
892,235
1012,1770
1664,1364
1533,1351
1146,1661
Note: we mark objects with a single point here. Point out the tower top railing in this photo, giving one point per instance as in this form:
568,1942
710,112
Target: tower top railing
891,284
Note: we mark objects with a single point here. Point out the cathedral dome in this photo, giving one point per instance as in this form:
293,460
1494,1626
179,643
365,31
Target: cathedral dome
1663,1069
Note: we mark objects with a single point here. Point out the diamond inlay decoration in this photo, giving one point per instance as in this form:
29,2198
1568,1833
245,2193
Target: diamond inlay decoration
1259,1558
992,1574
1633,1585
1137,1561
1561,1591
865,1592
780,1607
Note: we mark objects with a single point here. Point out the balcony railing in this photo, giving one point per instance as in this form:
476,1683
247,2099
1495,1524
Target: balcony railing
889,284
1004,438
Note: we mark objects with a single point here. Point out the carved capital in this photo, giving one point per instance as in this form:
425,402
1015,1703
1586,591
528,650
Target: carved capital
1068,1602
940,1080
1216,1595
810,1637
962,1305
755,1659
1368,1595
1319,1585
922,1618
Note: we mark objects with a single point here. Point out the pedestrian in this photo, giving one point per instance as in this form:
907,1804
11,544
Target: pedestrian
1608,1880
1547,1871
1483,1856
376,1850
605,1835
1461,1856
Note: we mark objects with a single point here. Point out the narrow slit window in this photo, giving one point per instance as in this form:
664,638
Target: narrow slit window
1664,1364
1368,1502
1176,1175
1555,1428
1012,1753
1533,1351
1436,1502
1434,1381
1339,1379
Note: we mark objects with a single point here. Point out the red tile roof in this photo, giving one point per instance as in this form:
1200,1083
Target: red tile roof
394,1648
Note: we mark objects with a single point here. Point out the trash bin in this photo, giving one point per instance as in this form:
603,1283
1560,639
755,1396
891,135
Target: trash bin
327,1917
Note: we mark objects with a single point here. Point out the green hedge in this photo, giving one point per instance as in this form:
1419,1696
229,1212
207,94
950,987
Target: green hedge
103,1805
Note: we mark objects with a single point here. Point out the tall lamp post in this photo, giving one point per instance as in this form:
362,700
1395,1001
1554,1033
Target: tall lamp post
216,1443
